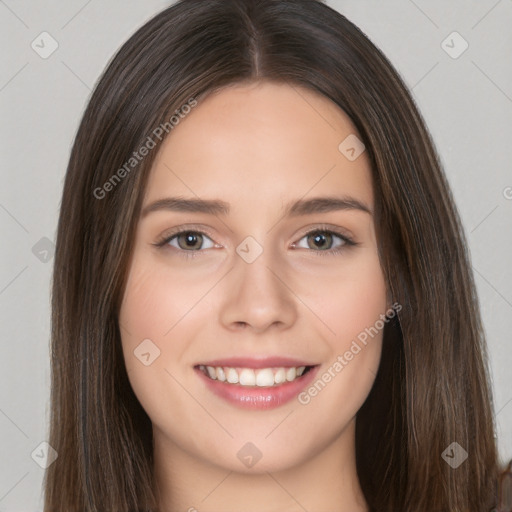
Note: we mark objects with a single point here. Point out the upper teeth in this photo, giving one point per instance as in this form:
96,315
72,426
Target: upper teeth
249,377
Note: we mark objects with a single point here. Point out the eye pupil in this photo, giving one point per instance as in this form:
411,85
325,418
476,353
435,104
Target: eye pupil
321,240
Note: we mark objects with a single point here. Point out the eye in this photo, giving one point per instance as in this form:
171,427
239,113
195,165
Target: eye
324,241
189,241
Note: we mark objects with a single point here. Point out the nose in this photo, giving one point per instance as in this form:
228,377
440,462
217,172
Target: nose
257,296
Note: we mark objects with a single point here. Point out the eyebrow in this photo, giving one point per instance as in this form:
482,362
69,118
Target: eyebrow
293,209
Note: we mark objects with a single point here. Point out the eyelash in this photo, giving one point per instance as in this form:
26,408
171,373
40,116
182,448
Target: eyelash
347,242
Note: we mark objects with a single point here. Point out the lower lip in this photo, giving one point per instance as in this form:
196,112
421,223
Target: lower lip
258,397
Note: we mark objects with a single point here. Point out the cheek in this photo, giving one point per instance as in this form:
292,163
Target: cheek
154,349
361,302
155,301
351,302
151,307
347,298
161,313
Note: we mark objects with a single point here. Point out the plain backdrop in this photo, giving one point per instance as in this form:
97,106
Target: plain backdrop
464,94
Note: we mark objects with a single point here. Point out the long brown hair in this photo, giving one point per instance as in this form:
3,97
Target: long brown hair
432,388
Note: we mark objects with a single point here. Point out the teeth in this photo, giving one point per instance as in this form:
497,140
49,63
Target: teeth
280,376
220,374
232,376
247,377
264,377
291,373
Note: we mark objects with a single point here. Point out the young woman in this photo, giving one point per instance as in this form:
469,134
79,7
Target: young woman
262,298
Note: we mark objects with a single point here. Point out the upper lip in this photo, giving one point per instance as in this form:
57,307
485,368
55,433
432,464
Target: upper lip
252,362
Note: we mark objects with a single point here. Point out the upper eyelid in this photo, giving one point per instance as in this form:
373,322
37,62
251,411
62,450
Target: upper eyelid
168,235
338,231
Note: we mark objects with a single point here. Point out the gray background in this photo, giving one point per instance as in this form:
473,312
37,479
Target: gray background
466,101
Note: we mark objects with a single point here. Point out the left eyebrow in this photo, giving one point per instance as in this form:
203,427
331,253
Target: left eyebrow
325,204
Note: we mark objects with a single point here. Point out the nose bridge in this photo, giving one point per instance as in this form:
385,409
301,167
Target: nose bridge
254,295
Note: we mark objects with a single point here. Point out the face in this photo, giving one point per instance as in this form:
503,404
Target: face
255,262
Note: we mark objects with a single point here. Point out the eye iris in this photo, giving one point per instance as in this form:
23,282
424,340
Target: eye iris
321,240
191,240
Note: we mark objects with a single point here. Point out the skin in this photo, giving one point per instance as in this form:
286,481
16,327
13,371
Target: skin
257,147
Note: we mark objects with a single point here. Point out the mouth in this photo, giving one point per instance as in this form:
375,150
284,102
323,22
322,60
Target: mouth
256,384
250,377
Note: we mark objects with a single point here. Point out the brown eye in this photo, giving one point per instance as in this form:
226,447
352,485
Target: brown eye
320,240
324,241
190,241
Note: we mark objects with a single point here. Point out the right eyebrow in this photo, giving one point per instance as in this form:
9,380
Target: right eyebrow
177,204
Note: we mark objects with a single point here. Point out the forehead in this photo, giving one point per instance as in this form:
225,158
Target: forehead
261,142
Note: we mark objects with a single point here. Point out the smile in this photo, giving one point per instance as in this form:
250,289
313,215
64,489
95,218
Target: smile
263,377
256,384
